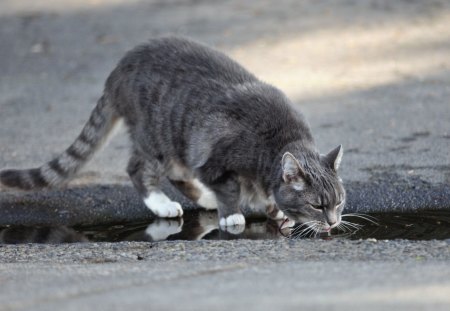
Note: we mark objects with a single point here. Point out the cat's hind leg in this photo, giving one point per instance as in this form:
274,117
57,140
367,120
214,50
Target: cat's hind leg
145,175
183,178
197,192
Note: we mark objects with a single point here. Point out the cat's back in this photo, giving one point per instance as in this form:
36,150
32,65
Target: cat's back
182,58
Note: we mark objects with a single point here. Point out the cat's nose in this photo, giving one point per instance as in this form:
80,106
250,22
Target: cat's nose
331,222
331,218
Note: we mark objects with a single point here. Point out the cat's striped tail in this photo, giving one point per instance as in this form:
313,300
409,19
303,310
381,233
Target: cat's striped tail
62,168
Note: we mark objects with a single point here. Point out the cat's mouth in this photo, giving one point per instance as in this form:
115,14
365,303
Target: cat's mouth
288,224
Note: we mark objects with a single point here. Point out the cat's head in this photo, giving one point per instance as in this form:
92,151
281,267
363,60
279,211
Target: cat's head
310,190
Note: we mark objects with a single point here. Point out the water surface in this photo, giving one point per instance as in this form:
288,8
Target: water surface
196,225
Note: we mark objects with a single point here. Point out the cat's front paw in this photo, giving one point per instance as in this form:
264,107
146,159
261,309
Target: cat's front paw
279,216
234,223
162,206
168,210
274,213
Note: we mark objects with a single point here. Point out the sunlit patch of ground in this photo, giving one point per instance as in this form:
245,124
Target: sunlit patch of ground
352,56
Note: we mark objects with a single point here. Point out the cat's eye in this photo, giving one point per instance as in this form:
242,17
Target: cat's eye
318,207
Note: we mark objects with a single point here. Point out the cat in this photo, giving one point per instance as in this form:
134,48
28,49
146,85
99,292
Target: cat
227,140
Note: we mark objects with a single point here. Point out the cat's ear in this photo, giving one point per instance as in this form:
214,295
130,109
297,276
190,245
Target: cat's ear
334,157
292,170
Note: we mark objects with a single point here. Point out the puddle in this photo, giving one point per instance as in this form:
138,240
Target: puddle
196,225
423,225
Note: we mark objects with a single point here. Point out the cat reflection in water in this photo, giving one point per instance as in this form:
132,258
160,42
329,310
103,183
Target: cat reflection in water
196,226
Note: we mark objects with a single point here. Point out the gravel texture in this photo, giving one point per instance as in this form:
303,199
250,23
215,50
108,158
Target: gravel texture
249,251
223,275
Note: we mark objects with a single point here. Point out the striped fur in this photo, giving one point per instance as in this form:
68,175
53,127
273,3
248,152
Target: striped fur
67,164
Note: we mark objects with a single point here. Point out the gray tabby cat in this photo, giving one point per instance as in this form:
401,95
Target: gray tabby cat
225,138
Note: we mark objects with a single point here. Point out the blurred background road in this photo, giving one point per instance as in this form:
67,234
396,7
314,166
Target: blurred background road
372,75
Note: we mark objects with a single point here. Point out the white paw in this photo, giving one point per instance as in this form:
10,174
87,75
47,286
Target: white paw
162,206
161,229
232,220
207,198
279,216
170,209
286,223
234,229
234,224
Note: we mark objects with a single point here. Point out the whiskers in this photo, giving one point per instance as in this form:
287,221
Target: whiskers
307,229
366,217
312,229
348,228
